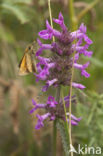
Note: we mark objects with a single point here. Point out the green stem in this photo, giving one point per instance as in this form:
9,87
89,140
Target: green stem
50,14
73,19
65,111
54,124
74,24
66,123
88,8
54,138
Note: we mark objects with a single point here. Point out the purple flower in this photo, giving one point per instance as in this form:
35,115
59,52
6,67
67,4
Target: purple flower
74,117
60,21
82,68
49,32
44,46
88,53
51,101
67,100
81,34
45,88
54,110
83,28
41,119
48,84
43,72
56,68
78,85
73,122
51,82
36,106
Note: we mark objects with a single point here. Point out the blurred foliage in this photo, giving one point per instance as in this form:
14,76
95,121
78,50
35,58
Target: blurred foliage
91,126
20,22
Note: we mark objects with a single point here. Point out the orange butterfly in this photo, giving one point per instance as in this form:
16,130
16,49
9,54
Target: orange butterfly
28,62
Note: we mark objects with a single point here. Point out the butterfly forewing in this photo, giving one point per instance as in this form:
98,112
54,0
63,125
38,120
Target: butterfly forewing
27,63
23,67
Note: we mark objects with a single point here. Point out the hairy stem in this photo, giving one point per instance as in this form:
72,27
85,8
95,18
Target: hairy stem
54,138
64,110
54,124
66,124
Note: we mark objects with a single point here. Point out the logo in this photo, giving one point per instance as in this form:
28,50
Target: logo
85,150
72,149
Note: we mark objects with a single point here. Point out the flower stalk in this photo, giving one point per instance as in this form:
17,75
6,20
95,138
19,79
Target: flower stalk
73,27
50,15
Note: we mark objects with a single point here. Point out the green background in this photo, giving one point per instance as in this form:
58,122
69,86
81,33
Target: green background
20,22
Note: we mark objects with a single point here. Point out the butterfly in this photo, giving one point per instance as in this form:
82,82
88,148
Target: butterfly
28,62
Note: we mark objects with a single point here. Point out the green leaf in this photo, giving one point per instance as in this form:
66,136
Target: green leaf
95,61
16,11
27,2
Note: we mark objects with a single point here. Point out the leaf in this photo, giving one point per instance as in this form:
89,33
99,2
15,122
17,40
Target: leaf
27,2
16,11
95,61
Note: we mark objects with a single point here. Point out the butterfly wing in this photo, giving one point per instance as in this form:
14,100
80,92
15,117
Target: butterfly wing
23,70
28,63
31,60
